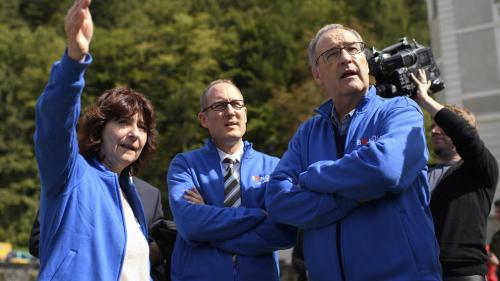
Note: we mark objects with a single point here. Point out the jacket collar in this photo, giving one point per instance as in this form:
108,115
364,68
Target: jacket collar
129,189
247,148
96,163
326,108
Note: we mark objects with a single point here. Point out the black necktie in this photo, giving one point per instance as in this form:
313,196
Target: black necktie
232,193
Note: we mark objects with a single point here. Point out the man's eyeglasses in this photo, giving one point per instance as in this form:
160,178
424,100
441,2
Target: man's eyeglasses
331,54
222,105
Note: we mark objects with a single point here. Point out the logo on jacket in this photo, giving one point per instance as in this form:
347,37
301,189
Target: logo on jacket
366,140
260,179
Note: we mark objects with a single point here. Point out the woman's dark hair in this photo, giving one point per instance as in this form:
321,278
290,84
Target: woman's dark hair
114,104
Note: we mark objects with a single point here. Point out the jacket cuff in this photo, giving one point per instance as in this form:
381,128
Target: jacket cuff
72,70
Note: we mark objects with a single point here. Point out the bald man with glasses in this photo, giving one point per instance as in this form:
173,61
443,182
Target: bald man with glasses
216,195
354,177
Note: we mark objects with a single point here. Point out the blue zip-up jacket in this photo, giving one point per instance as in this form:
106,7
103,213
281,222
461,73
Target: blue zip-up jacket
82,229
219,243
365,215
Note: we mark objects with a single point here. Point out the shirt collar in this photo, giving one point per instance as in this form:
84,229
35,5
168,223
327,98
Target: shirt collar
342,125
336,119
235,156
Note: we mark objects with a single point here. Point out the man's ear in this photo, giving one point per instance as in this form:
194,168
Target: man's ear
203,119
316,76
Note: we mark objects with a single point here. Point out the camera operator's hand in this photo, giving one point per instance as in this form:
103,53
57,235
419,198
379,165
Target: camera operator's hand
79,29
422,85
422,96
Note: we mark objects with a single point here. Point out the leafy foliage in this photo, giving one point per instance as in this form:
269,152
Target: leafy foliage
170,50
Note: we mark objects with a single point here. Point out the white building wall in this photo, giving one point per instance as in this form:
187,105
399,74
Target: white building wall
448,59
465,37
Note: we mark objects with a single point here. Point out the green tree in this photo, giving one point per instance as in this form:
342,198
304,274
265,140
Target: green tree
23,72
170,50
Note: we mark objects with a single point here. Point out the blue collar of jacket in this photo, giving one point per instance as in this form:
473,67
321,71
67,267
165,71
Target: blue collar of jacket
247,148
129,190
326,108
96,163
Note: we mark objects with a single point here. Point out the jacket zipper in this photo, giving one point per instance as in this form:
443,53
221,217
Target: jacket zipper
235,260
339,251
339,225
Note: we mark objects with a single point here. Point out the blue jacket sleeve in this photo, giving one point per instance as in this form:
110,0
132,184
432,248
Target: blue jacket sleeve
205,223
56,113
288,203
389,164
266,238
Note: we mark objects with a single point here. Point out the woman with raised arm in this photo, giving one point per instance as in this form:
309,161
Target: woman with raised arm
91,217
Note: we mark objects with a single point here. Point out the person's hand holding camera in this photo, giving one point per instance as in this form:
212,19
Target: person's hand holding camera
422,96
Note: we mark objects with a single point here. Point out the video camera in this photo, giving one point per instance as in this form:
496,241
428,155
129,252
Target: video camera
392,66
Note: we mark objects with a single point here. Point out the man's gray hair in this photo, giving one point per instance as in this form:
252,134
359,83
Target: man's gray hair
311,52
203,98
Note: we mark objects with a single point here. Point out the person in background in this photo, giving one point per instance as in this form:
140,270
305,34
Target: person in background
354,177
463,184
216,194
493,263
495,240
92,222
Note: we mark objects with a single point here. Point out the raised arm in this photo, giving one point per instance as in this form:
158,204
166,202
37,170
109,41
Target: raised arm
288,203
469,146
204,223
465,137
58,108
